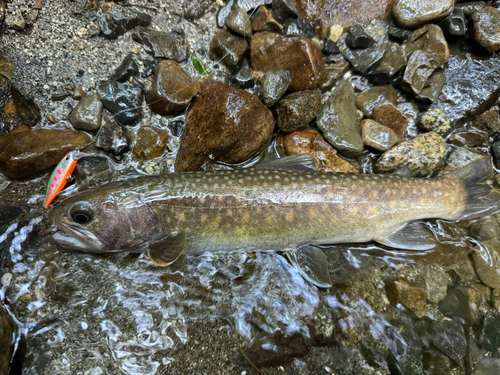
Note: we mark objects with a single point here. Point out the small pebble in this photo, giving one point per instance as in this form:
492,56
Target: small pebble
6,279
434,120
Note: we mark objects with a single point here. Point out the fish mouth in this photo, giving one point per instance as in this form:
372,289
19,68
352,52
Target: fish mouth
72,237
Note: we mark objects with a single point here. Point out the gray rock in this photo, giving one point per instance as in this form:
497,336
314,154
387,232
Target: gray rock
223,12
461,304
461,157
243,78
394,59
495,150
298,110
87,115
112,137
490,331
487,366
434,120
432,87
239,22
469,8
486,258
123,100
118,20
284,9
414,13
92,172
436,363
448,336
329,47
339,123
484,228
455,23
299,28
248,5
273,85
434,280
358,38
162,45
228,48
487,28
363,60
127,69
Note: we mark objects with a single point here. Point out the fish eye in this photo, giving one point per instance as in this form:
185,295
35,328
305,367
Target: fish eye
82,213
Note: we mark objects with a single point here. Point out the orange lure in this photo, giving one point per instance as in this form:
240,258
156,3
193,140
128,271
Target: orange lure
60,176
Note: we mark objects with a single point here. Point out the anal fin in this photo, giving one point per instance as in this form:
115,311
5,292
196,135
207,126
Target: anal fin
413,236
168,249
312,264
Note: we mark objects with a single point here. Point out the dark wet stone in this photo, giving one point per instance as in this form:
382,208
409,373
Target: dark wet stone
377,136
87,115
26,151
362,60
469,8
470,138
26,108
358,38
434,281
228,48
410,110
123,100
263,20
398,34
429,38
461,101
420,66
388,115
298,28
239,22
128,68
223,12
6,70
6,331
298,110
436,363
339,123
369,99
244,126
412,297
118,20
432,87
162,45
274,84
310,141
489,338
413,13
423,155
434,120
488,121
92,172
486,256
248,5
300,56
394,59
405,358
448,336
487,28
243,78
454,24
329,47
461,304
172,89
149,142
112,136
495,149
334,73
176,127
284,10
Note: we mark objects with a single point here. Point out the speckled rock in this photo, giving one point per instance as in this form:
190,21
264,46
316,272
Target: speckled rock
263,21
298,109
369,99
239,22
461,304
434,120
460,157
112,137
339,123
423,155
26,151
377,136
300,56
172,89
387,114
274,84
429,38
118,20
411,13
149,142
310,141
6,331
412,297
486,258
487,28
162,45
87,115
244,126
228,48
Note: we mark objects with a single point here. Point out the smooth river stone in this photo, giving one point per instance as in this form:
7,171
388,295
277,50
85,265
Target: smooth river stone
414,13
487,28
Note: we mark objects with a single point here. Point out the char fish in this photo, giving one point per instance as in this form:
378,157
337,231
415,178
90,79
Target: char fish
277,206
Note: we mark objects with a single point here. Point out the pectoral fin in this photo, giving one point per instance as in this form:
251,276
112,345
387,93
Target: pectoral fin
312,264
168,249
413,236
295,163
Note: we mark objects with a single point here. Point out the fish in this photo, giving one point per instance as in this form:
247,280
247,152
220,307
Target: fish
282,205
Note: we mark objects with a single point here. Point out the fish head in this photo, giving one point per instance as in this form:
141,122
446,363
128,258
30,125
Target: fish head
103,222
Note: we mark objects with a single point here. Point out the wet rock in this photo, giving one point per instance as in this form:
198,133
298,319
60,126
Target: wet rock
298,110
274,84
434,120
448,337
429,38
420,66
339,123
470,138
358,38
162,45
284,10
405,359
434,281
263,20
411,14
487,28
362,60
329,47
486,258
487,366
248,5
394,59
377,136
78,94
398,34
495,150
488,121
87,115
387,114
223,12
310,141
123,100
469,8
6,331
243,78
197,11
410,110
461,101
298,28
112,137
369,99
432,87
454,24
26,108
172,89
243,124
461,304
239,22
300,56
25,151
228,48
436,363
118,20
461,157
423,155
149,142
489,338
128,68
334,73
92,172
6,70
401,292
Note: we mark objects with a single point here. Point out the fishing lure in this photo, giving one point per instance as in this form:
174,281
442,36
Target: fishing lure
61,175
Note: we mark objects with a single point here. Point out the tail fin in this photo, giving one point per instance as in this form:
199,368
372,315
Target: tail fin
482,198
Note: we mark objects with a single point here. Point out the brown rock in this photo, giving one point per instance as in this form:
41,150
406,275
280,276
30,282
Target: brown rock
300,56
6,331
172,89
223,124
150,142
239,22
369,99
488,121
387,114
429,38
26,108
334,73
413,297
377,136
411,13
25,151
297,110
263,20
420,66
228,48
310,141
487,28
